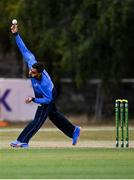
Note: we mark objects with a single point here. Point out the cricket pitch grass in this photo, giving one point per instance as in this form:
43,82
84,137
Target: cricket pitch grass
51,156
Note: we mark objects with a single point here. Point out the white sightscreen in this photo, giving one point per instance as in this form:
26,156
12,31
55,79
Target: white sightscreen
12,100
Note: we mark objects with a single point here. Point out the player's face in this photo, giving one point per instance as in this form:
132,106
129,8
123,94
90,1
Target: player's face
33,72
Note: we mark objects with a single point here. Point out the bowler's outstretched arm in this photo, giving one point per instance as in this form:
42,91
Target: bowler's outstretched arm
27,55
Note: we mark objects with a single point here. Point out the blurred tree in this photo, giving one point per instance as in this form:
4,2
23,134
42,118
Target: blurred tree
81,39
6,7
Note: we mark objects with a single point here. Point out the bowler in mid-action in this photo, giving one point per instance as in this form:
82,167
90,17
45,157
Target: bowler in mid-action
45,95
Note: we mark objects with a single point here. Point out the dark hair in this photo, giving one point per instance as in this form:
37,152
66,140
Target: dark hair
39,67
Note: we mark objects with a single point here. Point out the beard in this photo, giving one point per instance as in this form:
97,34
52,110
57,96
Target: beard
34,76
31,76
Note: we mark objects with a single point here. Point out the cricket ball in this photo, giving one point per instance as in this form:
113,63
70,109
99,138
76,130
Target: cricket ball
14,21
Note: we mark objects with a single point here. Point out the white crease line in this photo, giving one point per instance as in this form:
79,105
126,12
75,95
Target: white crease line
63,144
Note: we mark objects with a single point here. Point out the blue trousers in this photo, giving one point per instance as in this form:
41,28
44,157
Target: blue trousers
42,113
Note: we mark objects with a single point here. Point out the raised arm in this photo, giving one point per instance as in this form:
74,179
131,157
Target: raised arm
27,55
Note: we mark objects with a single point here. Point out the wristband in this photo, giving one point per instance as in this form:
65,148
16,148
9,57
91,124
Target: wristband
15,34
33,99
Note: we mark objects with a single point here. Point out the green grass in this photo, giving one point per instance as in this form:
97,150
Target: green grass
68,163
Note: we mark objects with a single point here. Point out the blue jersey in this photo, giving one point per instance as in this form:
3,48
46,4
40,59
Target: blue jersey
43,87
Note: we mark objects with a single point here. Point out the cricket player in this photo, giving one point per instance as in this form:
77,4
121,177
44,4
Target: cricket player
45,95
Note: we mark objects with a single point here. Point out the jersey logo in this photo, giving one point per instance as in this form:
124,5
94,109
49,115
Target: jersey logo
35,85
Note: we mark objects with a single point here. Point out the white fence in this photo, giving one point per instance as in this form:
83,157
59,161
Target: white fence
12,100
